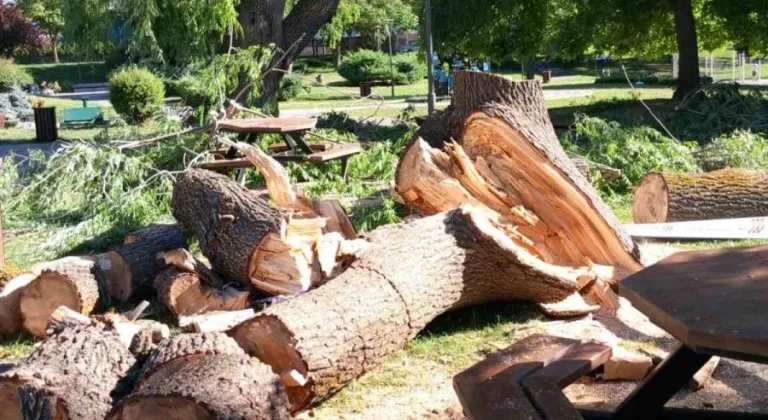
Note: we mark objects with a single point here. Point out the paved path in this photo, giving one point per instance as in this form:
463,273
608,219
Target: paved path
23,148
372,104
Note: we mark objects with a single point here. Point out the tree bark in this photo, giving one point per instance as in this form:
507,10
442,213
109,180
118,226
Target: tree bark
337,51
70,282
688,78
530,73
725,194
129,269
55,47
263,23
74,374
204,376
410,274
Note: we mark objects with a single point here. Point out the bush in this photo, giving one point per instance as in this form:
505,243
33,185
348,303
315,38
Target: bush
15,106
194,92
633,150
373,66
740,149
12,75
291,86
135,93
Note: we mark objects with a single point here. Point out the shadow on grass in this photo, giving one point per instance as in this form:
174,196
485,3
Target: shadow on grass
482,316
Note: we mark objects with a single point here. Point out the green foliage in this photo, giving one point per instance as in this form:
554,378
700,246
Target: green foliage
370,66
88,24
135,93
633,150
368,217
47,13
376,15
740,149
347,15
12,75
291,86
90,191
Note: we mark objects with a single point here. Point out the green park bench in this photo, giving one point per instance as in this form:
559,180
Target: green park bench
83,116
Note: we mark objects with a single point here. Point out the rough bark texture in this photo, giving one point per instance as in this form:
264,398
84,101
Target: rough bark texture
70,282
184,346
730,193
78,368
185,294
508,156
138,254
688,78
229,220
264,22
410,274
219,386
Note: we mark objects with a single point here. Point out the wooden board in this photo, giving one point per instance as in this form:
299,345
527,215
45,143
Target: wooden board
742,228
268,125
227,164
338,151
318,147
714,301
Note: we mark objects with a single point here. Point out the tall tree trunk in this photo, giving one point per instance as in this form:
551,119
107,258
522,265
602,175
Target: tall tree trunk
338,56
263,24
55,45
529,72
688,78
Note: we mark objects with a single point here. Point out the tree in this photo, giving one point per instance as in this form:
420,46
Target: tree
376,15
266,22
49,17
88,23
742,22
346,16
17,32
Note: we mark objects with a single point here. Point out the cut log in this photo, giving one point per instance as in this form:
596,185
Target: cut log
215,321
244,237
129,269
204,376
410,274
725,194
186,294
75,371
507,160
10,311
69,282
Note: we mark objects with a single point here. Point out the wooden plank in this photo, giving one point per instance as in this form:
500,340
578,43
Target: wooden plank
539,349
268,125
742,228
502,396
317,147
227,164
337,152
714,301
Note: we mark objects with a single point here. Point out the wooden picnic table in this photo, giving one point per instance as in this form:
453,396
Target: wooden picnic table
716,303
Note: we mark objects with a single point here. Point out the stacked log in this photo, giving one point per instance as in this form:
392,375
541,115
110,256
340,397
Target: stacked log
204,376
72,375
680,197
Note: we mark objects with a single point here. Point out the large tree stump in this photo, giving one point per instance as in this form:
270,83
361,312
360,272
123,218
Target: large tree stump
70,282
725,194
204,376
129,269
71,375
410,274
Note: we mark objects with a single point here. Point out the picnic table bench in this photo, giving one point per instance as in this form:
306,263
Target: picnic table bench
294,149
85,115
715,302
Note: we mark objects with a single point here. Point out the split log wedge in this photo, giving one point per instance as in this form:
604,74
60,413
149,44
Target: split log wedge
129,269
71,375
70,282
204,376
185,294
244,237
410,274
725,194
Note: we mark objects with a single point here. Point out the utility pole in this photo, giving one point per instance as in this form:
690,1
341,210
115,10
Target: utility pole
431,99
391,63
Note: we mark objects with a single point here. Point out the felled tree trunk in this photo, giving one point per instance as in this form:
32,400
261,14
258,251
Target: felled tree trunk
729,193
244,237
70,282
410,274
185,294
10,311
70,376
129,269
204,376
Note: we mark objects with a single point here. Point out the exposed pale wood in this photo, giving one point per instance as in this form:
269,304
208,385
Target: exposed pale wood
702,377
679,197
70,282
732,282
10,311
627,365
337,218
77,369
572,306
215,321
741,228
268,125
278,181
184,293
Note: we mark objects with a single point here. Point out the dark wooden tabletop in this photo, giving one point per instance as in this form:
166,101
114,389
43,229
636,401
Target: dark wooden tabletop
268,125
715,301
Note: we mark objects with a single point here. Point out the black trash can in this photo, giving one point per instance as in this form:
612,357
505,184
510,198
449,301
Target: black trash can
45,124
366,89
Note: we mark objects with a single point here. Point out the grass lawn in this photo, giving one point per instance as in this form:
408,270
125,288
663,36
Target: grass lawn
68,74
